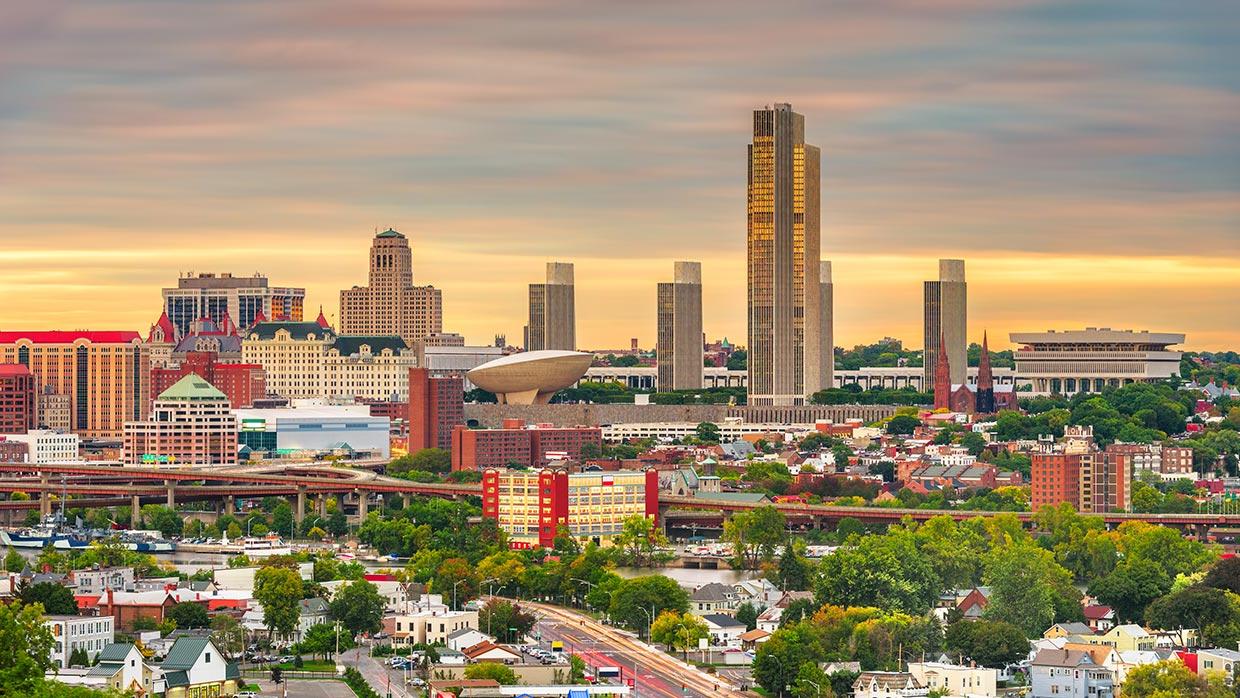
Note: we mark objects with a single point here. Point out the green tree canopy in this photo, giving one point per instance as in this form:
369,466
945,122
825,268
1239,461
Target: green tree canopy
358,606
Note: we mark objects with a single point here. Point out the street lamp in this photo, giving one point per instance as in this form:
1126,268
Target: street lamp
589,585
650,616
454,586
779,691
817,688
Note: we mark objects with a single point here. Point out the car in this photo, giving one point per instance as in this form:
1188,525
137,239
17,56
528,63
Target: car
247,694
415,681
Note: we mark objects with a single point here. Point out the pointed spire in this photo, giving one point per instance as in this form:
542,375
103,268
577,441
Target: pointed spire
985,380
226,325
322,320
260,317
164,325
942,377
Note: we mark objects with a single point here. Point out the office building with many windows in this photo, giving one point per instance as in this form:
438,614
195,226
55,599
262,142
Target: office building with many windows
391,304
680,341
553,311
785,341
945,311
191,424
241,300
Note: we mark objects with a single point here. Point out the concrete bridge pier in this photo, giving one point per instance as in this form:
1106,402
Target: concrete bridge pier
230,505
45,495
321,505
299,511
406,499
135,510
172,493
362,506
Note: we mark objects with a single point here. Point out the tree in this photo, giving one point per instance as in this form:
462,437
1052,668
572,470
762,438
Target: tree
1225,574
228,634
1131,587
456,579
973,441
635,599
358,606
163,519
189,614
505,619
1171,678
679,631
794,572
278,589
707,432
902,424
738,360
755,535
13,561
27,644
881,571
492,670
282,519
78,657
639,539
1216,613
1028,588
747,613
55,599
427,460
990,643
322,639
337,524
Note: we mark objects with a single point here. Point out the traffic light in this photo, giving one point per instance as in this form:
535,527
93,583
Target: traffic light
277,675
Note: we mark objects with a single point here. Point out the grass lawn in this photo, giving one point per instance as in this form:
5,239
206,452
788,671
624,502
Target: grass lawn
309,665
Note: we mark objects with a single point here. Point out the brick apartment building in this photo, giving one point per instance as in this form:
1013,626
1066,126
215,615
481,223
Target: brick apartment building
242,383
532,505
1092,481
17,404
516,444
436,406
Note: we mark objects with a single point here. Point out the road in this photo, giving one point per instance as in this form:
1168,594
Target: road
657,674
376,673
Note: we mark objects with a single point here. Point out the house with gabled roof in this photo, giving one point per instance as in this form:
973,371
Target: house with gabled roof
195,667
887,684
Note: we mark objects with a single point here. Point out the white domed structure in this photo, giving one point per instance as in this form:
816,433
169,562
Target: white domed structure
531,377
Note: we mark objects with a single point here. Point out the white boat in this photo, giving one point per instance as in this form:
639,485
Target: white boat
265,547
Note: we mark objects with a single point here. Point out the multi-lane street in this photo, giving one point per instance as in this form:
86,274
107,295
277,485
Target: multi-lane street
651,673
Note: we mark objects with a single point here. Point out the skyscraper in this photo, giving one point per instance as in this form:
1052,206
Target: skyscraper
678,348
826,309
783,251
946,312
391,304
436,405
239,300
553,311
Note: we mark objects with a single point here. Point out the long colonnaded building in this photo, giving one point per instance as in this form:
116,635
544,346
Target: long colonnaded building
531,505
1089,360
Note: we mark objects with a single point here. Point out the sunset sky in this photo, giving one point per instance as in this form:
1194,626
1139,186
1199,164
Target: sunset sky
1083,157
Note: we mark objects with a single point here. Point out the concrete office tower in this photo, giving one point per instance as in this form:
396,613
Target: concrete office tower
783,250
391,305
241,300
946,313
679,345
553,313
826,309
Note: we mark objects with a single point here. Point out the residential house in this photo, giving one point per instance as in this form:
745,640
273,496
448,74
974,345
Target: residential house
1064,673
1064,630
752,638
887,684
393,592
433,627
956,680
488,651
1218,659
1100,618
467,637
194,667
1124,638
97,580
759,592
724,630
973,604
71,633
121,668
711,598
312,612
127,606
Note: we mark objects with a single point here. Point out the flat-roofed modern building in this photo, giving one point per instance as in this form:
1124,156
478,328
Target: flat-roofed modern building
243,300
553,311
17,403
102,376
391,304
826,329
310,426
436,405
946,309
516,444
679,327
783,255
1089,360
531,505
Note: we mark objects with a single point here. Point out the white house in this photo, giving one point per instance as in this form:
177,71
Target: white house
467,637
195,667
71,633
491,652
724,630
955,679
393,592
1069,672
888,684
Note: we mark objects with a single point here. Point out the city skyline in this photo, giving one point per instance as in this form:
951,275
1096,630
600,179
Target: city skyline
1081,163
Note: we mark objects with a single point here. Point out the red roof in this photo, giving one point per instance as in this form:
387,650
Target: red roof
70,336
1096,612
322,320
165,324
14,370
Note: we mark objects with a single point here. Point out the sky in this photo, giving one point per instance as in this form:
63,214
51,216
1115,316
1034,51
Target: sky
1082,156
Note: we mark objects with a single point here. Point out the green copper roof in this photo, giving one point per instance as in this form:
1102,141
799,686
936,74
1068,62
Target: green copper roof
192,387
296,330
389,233
184,653
115,652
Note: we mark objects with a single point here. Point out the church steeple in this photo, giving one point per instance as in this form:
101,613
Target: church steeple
942,379
985,381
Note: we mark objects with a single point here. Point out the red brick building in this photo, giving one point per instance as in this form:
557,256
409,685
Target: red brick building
514,444
242,383
17,405
1055,478
436,405
1092,481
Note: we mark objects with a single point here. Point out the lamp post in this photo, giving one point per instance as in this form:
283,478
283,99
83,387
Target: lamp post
817,688
589,585
650,616
779,691
454,586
